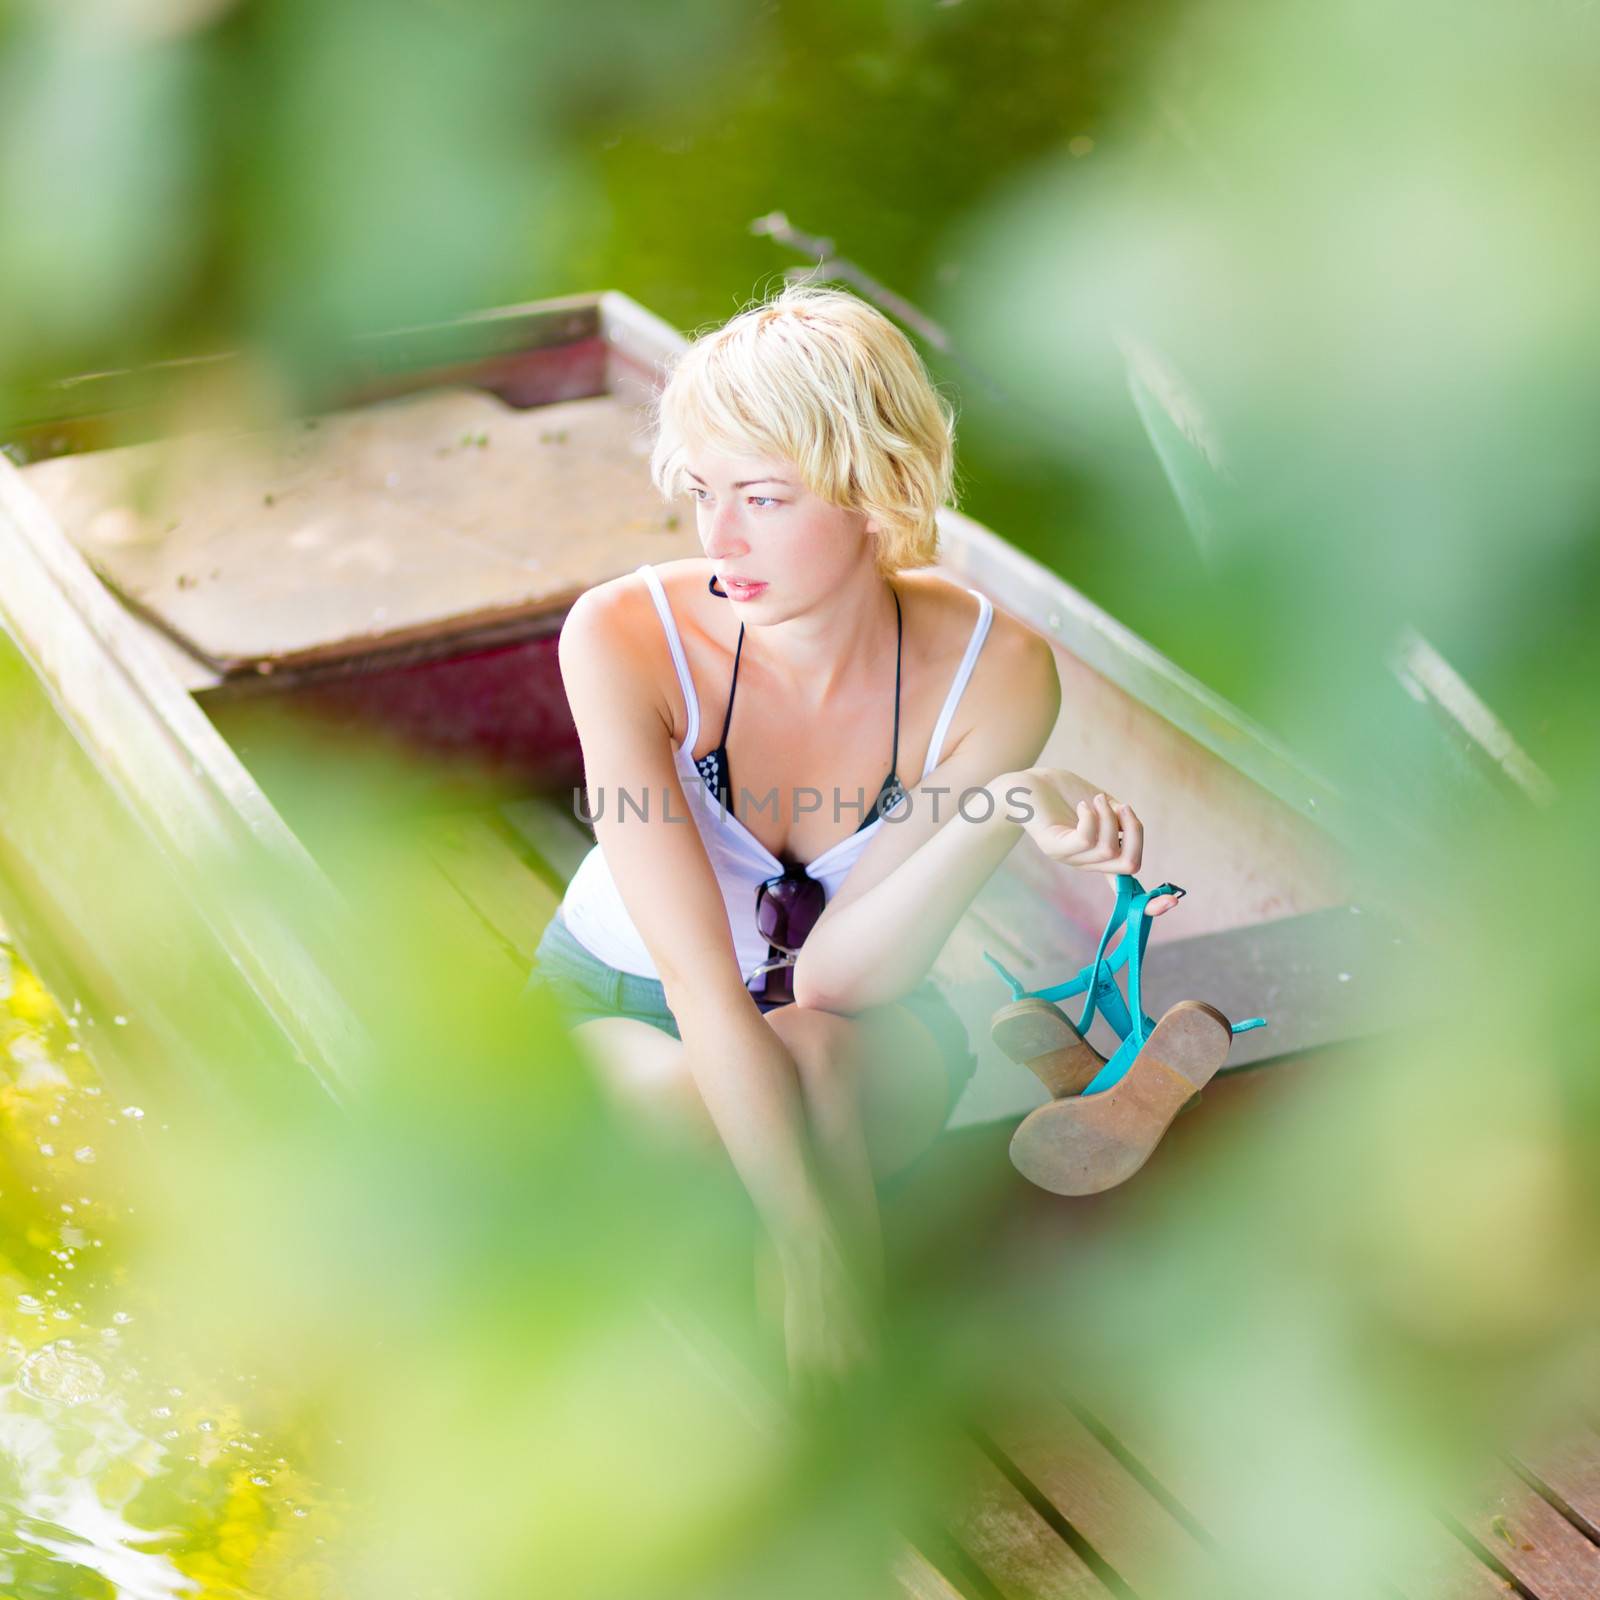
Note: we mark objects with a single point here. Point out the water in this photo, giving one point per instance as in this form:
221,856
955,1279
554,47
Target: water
122,1473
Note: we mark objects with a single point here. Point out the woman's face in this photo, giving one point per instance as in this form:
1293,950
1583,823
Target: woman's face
759,523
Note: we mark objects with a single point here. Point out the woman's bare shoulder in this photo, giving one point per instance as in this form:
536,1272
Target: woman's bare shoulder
1010,642
622,604
1014,677
607,614
612,634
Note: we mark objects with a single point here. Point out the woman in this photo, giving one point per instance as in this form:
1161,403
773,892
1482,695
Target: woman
760,975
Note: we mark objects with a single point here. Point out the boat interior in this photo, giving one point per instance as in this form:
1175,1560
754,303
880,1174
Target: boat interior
393,570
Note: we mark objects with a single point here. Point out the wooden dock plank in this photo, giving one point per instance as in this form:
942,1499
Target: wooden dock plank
1014,1547
1137,1536
1188,1491
723,1370
1436,1566
1440,1567
1569,1473
1549,1557
917,1578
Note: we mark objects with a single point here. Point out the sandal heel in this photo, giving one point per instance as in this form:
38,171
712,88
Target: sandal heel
1037,1035
1094,1142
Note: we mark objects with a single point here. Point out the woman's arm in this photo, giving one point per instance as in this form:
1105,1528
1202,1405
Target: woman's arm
613,677
881,945
877,939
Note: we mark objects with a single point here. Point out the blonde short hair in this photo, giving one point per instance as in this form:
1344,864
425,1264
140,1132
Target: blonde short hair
819,378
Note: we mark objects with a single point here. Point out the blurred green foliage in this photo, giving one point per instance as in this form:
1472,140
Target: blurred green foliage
1352,246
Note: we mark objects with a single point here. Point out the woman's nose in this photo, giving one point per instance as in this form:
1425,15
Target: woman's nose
722,535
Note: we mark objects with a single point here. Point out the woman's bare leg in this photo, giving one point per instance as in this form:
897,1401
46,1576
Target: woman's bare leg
874,1092
828,1057
890,1056
645,1072
873,1085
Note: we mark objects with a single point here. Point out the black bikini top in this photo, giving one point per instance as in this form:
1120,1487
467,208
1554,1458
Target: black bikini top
713,766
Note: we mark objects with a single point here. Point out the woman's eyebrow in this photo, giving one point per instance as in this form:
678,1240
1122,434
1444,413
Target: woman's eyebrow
748,482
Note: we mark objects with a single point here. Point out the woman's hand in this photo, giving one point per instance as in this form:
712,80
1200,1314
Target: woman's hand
829,1316
1081,826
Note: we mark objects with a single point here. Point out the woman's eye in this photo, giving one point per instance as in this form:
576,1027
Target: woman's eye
696,492
762,500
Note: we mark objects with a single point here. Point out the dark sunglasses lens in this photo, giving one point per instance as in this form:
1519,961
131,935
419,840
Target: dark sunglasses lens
787,910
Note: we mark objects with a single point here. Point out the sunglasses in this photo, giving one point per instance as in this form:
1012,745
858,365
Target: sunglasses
787,908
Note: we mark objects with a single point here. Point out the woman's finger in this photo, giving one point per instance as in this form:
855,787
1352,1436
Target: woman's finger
1132,839
1107,844
1068,844
1166,902
1089,834
1099,850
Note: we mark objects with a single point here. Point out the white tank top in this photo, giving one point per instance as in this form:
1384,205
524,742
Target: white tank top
594,910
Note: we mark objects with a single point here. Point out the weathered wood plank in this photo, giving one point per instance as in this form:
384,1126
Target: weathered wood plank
1569,1473
548,827
1319,978
722,1369
1439,1567
1530,1539
1136,1535
918,1579
439,513
137,850
512,900
457,925
1432,1566
1189,1491
1016,1549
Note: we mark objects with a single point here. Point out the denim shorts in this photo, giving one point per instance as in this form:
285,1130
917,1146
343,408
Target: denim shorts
583,987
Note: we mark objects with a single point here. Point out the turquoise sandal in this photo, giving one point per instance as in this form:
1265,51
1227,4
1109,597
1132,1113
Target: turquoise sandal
1083,1142
1032,1029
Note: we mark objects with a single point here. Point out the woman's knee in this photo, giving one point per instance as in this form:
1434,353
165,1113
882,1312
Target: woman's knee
824,1045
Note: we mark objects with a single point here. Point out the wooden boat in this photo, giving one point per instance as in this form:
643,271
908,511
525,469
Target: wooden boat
400,563
139,663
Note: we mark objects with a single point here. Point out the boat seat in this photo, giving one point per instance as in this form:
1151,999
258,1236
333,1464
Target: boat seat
431,520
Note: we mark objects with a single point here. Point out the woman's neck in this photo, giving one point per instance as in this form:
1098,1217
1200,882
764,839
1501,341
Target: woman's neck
814,657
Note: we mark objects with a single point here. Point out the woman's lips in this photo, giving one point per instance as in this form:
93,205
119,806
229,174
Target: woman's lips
738,589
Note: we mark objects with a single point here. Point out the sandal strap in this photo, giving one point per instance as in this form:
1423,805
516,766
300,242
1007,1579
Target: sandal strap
1139,1024
1097,979
1097,982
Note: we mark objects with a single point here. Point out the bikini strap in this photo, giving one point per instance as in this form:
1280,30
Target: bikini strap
679,660
722,743
899,634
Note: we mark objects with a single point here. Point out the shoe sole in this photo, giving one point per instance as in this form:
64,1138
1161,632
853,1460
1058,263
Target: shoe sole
1085,1145
1037,1035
